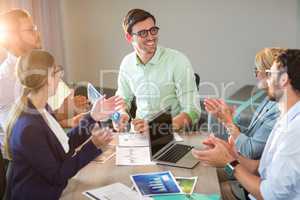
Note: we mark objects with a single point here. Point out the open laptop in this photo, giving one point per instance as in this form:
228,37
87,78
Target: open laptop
163,147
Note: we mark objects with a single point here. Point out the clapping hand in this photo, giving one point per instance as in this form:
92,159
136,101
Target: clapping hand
140,125
220,110
101,137
103,108
218,154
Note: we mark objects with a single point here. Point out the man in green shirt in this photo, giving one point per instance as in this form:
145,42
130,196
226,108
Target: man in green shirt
158,77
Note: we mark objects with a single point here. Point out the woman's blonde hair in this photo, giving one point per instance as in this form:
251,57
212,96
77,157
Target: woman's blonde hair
264,58
32,72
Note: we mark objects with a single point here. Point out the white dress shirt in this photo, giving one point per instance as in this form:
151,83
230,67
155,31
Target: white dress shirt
57,130
10,87
279,167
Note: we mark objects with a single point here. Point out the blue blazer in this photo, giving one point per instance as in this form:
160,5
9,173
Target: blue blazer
252,140
40,167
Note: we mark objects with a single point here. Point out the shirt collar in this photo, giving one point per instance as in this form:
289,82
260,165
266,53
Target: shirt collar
292,113
154,60
11,57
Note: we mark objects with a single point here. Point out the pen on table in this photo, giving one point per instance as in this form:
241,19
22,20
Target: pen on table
92,196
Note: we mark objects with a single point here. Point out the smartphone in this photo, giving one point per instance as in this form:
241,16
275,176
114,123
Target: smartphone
93,95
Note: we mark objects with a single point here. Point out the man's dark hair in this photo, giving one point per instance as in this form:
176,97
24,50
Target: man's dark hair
290,59
134,16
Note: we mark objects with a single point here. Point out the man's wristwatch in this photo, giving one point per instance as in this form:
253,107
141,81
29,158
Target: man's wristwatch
229,168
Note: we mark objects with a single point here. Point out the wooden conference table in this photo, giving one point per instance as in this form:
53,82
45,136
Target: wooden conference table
96,175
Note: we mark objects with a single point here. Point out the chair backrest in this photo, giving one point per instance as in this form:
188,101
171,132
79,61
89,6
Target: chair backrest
2,176
197,80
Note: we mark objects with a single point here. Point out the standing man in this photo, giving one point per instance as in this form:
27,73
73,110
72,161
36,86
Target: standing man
156,76
276,175
19,35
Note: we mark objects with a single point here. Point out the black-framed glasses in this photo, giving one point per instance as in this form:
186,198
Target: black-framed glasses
270,72
59,69
144,33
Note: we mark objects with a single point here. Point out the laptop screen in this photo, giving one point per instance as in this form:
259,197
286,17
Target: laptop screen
160,131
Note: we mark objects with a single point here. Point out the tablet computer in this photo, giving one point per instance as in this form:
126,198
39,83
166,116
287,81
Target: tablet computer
157,183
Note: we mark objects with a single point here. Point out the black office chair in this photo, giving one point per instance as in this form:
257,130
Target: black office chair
197,80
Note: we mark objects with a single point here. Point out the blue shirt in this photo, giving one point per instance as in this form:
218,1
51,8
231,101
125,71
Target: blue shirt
252,139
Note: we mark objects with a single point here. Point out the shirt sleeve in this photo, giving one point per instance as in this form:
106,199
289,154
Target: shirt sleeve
82,132
124,89
7,87
186,89
251,144
34,145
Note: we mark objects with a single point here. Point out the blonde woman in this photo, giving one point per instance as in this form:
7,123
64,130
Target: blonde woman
43,156
250,141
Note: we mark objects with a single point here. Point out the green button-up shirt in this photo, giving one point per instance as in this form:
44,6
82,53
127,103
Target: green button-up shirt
166,80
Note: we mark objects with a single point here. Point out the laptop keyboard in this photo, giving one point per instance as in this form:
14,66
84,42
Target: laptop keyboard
175,153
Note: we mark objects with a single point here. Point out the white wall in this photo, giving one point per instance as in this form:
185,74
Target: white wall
220,37
298,32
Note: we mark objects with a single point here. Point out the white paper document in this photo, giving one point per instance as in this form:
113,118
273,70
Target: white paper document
114,191
133,156
139,140
133,140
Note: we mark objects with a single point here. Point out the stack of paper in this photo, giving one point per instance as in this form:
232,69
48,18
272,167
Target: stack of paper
133,156
115,191
133,140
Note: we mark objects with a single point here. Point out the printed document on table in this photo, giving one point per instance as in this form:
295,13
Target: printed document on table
139,140
133,156
133,140
114,191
